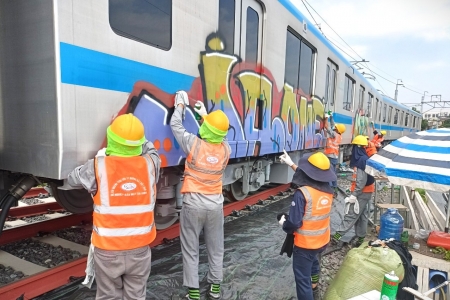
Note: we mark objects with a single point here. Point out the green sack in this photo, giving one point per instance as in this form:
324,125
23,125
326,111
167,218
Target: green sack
362,271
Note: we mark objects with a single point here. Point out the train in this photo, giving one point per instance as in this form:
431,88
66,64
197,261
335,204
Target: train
68,68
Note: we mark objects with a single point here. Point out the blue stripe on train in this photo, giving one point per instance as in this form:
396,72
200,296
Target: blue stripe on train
86,67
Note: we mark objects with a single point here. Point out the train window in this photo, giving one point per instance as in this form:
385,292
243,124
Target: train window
384,112
361,97
146,21
292,60
299,63
377,111
414,122
330,86
395,116
251,41
406,119
348,92
369,105
389,118
227,24
401,117
306,66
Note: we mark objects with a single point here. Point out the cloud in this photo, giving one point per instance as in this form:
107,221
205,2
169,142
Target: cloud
384,18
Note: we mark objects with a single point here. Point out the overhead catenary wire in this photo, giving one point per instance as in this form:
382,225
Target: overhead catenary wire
365,63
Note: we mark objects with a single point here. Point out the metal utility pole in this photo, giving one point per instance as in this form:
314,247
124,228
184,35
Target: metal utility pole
396,88
421,102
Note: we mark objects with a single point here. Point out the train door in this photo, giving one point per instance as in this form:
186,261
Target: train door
254,86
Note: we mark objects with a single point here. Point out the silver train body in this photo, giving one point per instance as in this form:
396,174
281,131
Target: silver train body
68,67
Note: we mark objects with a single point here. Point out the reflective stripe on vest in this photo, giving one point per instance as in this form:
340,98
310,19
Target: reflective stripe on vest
204,168
123,205
332,146
315,230
371,149
367,189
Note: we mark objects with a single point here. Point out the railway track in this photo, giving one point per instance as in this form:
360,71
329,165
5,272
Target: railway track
31,251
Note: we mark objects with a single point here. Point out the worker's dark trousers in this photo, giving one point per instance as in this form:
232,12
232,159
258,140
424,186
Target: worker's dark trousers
305,263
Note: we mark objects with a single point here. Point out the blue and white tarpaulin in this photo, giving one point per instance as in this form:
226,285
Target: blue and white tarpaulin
419,160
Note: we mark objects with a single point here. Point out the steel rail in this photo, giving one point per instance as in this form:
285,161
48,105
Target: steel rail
40,283
33,210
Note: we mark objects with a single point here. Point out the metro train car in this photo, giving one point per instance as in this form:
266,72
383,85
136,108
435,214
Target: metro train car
69,67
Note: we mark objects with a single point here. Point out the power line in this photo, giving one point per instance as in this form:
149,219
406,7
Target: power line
366,64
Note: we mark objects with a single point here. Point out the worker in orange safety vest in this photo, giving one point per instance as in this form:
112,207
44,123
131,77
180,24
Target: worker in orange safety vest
122,181
206,158
356,205
378,138
334,140
309,219
370,149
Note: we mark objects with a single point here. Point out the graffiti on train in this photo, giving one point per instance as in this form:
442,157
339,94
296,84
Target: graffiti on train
263,119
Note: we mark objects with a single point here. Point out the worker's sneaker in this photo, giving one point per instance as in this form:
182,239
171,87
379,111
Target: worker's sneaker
194,294
214,291
334,245
356,242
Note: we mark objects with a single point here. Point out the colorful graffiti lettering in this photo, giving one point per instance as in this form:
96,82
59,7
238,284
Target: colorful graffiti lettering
361,125
263,119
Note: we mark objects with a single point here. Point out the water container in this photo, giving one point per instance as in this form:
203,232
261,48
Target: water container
391,225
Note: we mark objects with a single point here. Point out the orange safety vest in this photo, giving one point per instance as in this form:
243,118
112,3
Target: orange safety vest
332,146
371,149
315,230
123,205
370,188
204,168
378,140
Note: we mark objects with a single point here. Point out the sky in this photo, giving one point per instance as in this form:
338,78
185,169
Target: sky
401,39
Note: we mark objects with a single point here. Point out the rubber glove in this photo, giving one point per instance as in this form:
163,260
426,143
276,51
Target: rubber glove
282,220
327,115
202,110
285,158
349,201
182,98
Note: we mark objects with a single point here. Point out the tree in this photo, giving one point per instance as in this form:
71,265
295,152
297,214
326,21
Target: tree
446,124
424,125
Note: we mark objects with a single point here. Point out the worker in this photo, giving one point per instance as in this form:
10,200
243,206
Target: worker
207,157
378,138
334,140
357,203
123,186
309,219
370,149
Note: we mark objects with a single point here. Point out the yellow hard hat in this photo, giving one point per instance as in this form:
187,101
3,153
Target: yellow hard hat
218,119
383,132
360,140
340,128
127,130
320,161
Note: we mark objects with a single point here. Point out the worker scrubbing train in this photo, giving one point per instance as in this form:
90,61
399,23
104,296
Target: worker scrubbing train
123,185
309,219
356,204
207,157
334,140
378,138
371,149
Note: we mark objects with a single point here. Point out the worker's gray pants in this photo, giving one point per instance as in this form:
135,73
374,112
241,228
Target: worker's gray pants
359,220
122,274
192,221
